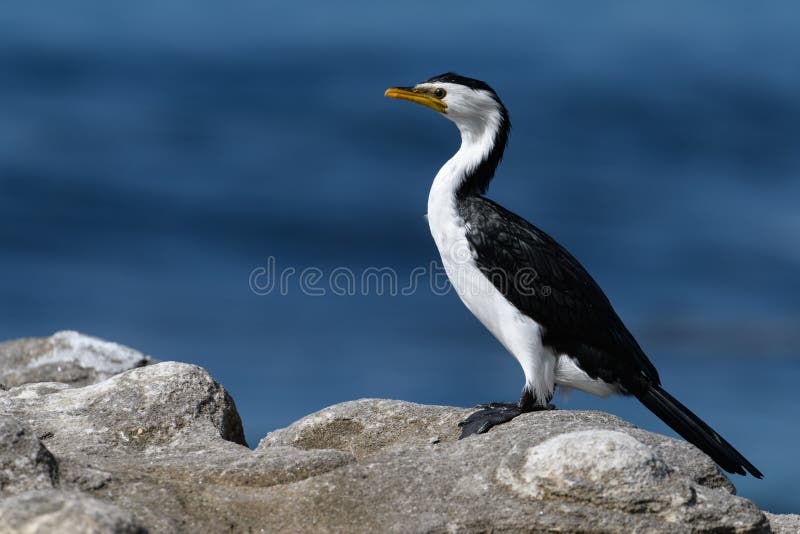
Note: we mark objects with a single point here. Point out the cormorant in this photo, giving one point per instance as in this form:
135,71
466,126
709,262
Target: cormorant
532,294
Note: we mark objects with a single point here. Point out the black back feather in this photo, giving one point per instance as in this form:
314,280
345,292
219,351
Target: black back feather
546,283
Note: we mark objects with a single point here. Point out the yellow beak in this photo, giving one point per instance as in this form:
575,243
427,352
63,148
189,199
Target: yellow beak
404,93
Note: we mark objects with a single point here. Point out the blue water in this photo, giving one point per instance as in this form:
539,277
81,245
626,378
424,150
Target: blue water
152,155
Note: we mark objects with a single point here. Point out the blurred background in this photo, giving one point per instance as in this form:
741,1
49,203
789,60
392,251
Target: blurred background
153,154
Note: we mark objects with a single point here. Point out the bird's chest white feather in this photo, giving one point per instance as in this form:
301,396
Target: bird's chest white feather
518,333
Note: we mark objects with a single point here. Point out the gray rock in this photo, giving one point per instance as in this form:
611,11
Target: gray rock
213,489
370,425
25,464
68,357
589,465
163,441
558,470
56,512
367,426
784,523
161,447
157,405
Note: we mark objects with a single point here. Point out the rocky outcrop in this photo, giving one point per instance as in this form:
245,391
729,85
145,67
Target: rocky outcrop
67,357
556,470
64,511
160,448
784,523
25,463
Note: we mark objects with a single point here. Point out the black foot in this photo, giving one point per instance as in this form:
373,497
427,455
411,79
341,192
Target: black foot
495,413
491,415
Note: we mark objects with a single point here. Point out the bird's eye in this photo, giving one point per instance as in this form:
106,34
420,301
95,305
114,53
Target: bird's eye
439,92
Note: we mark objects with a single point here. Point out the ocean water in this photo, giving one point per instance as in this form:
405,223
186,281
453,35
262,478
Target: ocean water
160,162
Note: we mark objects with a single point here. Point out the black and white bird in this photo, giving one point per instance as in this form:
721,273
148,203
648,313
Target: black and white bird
532,294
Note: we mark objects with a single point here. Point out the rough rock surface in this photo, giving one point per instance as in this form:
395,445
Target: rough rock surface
161,448
784,523
521,476
62,511
68,357
24,462
151,406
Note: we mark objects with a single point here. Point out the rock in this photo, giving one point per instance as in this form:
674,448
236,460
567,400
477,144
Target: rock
68,357
368,426
587,465
784,523
25,463
520,476
371,425
150,406
51,511
163,441
162,448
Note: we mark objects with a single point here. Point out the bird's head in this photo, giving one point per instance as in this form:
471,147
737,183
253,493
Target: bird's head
469,103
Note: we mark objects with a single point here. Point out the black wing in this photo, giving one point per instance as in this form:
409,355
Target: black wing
548,285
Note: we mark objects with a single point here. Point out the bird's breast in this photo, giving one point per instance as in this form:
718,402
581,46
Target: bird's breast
476,291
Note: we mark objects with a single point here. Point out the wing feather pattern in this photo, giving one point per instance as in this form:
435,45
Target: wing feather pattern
546,283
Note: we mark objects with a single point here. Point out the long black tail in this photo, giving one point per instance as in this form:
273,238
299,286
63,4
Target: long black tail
694,430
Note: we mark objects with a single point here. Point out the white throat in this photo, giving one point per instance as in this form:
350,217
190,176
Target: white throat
477,141
519,334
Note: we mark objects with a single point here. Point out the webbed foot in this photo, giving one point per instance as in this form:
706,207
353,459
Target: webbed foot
497,413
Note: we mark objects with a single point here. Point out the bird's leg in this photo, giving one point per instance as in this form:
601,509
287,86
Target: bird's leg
497,413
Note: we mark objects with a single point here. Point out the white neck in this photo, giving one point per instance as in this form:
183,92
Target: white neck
477,141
